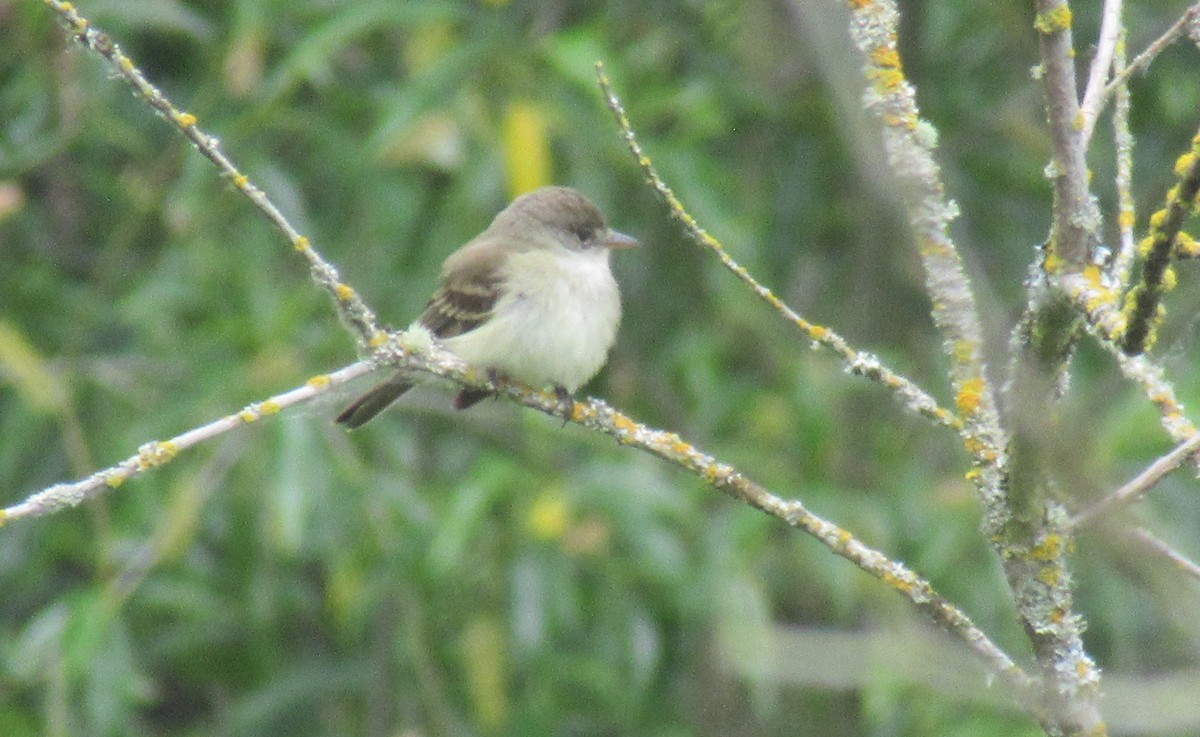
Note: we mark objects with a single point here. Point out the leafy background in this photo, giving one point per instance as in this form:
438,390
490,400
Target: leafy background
492,572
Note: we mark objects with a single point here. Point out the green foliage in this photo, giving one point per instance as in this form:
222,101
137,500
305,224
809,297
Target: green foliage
492,572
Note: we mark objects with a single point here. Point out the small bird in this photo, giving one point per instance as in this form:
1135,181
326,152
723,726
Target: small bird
531,298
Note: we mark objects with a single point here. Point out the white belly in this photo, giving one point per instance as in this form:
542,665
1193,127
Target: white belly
555,323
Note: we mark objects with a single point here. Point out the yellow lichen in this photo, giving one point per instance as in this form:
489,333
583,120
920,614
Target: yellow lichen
186,120
344,292
270,407
319,381
1158,218
1184,164
886,56
1186,246
970,395
1055,20
156,453
1048,549
964,351
116,478
1050,575
887,81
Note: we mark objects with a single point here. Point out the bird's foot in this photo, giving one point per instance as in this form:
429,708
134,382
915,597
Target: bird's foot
566,403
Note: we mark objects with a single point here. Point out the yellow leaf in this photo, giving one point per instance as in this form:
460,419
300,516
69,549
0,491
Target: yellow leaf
24,368
526,148
483,660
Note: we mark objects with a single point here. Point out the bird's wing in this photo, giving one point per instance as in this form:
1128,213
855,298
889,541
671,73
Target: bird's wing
471,284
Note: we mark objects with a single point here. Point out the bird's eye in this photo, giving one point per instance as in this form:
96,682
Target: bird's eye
583,232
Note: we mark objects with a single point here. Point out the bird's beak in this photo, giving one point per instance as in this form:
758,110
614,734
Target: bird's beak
619,240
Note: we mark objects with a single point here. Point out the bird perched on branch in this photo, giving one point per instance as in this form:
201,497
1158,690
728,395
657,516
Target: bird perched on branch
531,298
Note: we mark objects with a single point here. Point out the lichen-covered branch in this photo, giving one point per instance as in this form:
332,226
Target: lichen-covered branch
1076,218
158,453
908,145
1025,526
1143,302
859,363
350,306
415,351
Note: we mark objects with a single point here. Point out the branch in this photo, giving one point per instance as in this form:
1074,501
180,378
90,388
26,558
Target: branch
349,305
1143,308
1151,541
1144,59
1076,216
1102,62
908,142
1126,206
415,351
158,453
1142,483
859,363
1022,525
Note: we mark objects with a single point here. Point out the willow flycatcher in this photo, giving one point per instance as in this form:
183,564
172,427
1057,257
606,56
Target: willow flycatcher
531,297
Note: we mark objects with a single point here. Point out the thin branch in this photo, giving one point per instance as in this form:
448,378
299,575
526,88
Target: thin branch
350,306
1142,483
1076,215
859,363
1144,59
1143,301
1106,48
158,453
908,143
1159,547
414,351
1126,206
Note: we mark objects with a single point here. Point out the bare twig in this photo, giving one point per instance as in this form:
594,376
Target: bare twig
1102,62
1142,483
1126,206
1157,546
160,452
349,305
1144,59
859,363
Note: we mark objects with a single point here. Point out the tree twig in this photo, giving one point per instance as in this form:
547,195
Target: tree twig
1142,483
859,363
1144,59
411,352
349,305
1102,62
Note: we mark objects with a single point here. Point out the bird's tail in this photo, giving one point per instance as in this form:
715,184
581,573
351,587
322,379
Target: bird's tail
377,399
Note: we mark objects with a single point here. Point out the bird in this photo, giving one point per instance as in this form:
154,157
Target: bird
531,298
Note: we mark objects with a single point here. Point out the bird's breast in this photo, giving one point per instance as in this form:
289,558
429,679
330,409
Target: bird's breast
554,323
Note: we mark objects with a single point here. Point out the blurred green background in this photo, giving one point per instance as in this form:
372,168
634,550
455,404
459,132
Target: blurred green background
492,572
